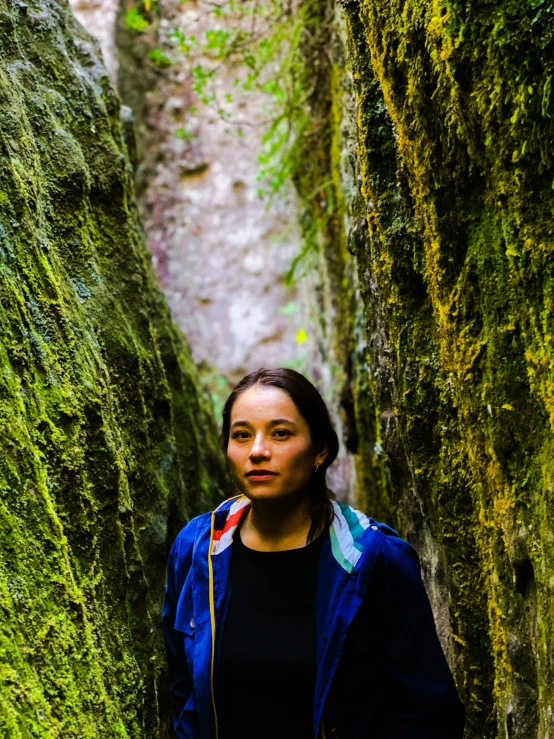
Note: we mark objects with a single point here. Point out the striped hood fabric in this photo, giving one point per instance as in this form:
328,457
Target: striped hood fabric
347,527
226,526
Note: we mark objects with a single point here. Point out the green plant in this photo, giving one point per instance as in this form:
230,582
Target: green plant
159,58
135,20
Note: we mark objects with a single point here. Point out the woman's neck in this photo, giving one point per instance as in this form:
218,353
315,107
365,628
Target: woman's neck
277,525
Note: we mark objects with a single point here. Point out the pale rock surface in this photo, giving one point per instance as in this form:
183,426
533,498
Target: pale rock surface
220,254
99,18
217,249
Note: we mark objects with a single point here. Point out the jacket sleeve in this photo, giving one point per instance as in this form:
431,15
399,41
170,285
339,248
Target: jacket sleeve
425,702
181,689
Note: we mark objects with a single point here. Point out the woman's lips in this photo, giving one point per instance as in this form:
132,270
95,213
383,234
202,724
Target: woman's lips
259,476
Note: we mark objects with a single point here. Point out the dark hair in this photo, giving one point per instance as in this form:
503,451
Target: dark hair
312,407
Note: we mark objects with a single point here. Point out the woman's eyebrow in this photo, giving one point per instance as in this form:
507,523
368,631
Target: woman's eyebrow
273,422
277,421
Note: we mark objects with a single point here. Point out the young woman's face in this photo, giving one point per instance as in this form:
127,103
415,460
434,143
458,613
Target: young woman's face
270,448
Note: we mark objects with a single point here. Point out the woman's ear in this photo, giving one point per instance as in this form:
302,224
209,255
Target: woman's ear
321,456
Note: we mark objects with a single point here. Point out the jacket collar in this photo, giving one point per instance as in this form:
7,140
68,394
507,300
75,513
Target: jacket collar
347,528
226,519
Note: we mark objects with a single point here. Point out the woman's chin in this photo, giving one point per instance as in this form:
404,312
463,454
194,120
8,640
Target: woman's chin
259,492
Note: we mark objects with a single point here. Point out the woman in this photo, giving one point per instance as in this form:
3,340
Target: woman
288,615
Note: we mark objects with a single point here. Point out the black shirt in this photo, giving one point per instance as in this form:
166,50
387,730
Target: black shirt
268,649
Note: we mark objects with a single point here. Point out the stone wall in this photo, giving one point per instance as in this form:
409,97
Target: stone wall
221,254
108,443
455,135
432,138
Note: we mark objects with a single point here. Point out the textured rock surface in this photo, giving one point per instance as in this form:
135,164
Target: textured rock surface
218,251
450,408
99,18
454,112
106,439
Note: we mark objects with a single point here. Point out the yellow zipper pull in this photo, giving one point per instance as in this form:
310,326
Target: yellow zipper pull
212,620
212,608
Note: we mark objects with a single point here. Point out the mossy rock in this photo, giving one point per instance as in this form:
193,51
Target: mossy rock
455,142
108,442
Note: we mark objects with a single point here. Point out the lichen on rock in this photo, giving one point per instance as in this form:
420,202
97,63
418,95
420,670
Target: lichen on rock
448,213
107,437
455,142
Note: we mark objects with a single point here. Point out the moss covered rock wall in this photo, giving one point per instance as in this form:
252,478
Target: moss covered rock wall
432,138
456,262
106,438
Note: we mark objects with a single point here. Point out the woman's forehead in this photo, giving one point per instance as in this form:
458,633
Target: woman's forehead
260,401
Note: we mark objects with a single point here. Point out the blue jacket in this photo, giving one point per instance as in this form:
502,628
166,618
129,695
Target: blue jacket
381,672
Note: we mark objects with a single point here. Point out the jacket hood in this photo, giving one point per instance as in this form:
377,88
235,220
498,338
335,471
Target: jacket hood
346,531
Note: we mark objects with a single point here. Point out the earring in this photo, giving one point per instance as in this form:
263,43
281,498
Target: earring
316,468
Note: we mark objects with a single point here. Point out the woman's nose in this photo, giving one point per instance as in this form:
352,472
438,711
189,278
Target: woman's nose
259,447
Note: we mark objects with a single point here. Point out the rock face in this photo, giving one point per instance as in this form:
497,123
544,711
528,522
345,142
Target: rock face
454,242
99,18
107,441
449,406
219,253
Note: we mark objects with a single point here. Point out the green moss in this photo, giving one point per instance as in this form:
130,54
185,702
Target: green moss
108,444
319,164
455,140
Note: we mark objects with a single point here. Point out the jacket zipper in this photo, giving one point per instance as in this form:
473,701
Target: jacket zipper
212,610
212,622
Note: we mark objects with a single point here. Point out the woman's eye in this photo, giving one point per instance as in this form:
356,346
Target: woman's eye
282,433
240,435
